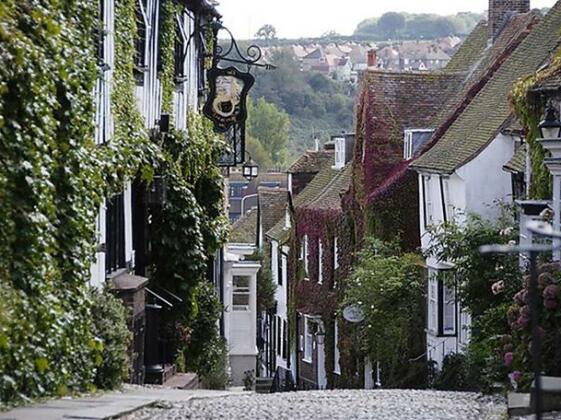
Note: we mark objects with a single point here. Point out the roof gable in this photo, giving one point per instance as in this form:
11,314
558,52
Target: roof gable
483,117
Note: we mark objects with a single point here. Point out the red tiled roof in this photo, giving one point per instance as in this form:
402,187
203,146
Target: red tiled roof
390,103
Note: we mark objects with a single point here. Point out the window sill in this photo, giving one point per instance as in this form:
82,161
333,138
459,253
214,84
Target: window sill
308,361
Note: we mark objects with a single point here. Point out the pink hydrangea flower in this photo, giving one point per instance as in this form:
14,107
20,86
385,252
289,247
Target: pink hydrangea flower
508,358
551,292
516,376
550,304
522,322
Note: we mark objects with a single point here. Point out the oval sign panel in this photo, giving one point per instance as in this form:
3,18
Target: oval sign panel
353,313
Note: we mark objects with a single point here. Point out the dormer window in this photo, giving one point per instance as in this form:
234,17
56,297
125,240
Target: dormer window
339,152
413,140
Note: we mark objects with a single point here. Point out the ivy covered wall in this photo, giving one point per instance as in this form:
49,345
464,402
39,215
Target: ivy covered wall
53,180
51,188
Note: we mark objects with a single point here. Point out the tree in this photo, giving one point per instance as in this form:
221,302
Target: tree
391,23
388,286
270,126
266,32
258,153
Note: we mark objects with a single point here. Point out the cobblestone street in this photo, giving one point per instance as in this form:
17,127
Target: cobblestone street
386,404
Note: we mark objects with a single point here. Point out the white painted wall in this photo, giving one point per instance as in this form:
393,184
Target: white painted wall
473,188
486,181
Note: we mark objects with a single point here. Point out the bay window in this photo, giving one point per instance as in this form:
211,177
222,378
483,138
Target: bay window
241,293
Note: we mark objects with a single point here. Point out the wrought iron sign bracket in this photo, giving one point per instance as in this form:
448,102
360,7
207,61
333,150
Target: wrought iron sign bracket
231,52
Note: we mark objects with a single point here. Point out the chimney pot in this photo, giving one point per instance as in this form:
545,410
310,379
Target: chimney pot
372,58
500,10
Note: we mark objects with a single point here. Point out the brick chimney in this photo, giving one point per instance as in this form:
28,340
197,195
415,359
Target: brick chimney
372,58
499,12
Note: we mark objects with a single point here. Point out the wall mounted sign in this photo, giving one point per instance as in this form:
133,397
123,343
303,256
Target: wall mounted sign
353,313
226,104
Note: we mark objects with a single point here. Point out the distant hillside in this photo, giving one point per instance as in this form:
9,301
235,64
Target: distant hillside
405,26
317,104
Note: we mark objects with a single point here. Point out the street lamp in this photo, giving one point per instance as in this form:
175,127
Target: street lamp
250,169
550,127
550,130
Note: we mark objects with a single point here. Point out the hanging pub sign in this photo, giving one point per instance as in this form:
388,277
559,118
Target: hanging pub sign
226,105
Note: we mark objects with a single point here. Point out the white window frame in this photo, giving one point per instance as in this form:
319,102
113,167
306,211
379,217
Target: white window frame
428,210
335,253
408,151
340,153
320,261
408,144
448,206
308,341
449,313
336,352
432,307
245,291
306,254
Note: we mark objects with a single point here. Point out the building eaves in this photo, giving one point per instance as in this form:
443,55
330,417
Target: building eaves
483,117
279,232
311,162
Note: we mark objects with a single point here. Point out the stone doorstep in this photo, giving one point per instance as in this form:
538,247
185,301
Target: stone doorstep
518,404
182,381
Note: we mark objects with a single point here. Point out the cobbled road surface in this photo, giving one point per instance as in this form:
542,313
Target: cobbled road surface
379,404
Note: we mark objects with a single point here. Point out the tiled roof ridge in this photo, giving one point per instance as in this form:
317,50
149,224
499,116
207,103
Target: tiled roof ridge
300,165
265,189
476,39
474,90
411,74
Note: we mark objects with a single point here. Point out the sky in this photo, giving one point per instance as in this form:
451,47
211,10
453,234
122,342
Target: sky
312,18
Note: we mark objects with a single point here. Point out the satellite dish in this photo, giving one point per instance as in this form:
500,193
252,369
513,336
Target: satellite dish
353,313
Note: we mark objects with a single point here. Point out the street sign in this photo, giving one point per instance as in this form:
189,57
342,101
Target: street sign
353,313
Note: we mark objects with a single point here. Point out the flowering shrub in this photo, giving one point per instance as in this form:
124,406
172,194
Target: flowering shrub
389,286
517,344
486,284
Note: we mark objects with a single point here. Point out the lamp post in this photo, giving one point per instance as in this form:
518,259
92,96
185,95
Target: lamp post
550,132
532,250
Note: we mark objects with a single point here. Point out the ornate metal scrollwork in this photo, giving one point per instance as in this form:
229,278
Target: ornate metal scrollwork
230,51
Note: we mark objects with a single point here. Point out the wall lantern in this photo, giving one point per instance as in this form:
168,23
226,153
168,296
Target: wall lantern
250,169
550,127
